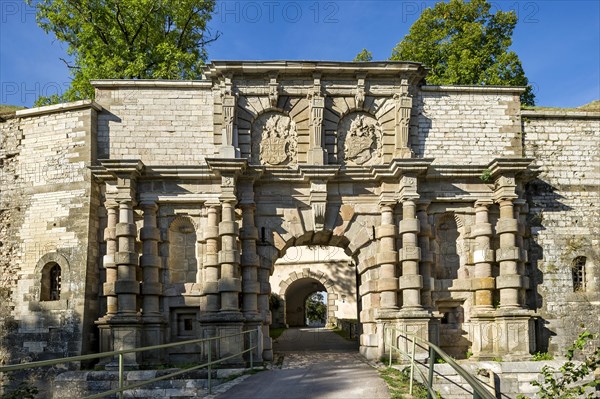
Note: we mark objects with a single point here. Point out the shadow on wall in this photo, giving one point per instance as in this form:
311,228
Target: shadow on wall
541,198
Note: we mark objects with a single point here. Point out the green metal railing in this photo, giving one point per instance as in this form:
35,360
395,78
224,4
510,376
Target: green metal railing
252,344
479,391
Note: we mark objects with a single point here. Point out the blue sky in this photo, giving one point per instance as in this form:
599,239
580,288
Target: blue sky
558,41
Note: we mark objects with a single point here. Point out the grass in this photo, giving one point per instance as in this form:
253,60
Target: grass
276,332
398,383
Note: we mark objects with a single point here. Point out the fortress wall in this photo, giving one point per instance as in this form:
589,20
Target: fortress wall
564,216
168,125
469,125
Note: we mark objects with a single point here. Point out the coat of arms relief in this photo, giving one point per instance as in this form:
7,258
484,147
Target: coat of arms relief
274,140
359,140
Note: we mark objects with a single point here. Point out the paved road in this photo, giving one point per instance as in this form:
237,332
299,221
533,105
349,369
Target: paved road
317,364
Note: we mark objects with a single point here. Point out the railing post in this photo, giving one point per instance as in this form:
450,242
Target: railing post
390,344
209,367
430,376
412,366
121,375
251,352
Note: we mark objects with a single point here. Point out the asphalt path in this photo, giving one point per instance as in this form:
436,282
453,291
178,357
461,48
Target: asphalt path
313,363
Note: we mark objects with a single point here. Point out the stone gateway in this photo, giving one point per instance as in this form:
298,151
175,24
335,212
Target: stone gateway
160,212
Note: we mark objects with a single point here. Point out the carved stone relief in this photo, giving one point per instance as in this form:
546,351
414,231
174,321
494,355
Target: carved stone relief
274,140
359,139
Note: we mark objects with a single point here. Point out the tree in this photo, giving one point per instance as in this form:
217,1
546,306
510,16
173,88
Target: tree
464,44
364,55
315,308
127,39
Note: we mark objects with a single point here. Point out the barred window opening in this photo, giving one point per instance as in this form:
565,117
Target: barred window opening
51,282
579,273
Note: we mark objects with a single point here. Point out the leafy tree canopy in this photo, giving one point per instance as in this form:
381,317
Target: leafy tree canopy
127,39
464,44
316,310
364,55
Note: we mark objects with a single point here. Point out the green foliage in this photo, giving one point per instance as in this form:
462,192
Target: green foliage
486,175
127,39
316,310
561,386
464,44
539,356
274,302
24,390
364,55
469,354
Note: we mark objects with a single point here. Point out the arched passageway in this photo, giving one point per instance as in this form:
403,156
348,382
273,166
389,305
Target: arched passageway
296,296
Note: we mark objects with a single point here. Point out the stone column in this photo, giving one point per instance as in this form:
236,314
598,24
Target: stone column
483,256
108,287
210,287
151,285
264,273
126,324
411,281
229,259
250,263
509,280
520,211
387,255
109,259
426,262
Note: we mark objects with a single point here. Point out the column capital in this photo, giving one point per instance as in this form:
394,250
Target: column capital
148,205
483,203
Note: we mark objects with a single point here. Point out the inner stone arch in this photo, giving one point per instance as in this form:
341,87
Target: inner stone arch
304,270
274,139
360,139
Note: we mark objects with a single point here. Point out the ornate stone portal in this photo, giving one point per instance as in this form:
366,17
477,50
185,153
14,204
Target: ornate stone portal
193,200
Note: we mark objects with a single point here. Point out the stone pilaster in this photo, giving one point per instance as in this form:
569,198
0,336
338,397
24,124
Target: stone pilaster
316,155
483,257
425,265
264,273
150,262
411,281
403,106
229,134
210,289
387,283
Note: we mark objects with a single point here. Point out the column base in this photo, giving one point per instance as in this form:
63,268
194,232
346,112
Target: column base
483,335
125,334
153,334
317,156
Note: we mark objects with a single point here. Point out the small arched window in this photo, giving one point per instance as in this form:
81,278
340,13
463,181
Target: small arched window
579,273
51,282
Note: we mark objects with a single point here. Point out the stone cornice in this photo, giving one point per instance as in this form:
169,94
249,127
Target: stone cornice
217,69
64,107
559,114
150,83
474,89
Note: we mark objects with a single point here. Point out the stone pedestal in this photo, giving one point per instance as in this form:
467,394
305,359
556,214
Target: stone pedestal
223,324
407,324
509,335
515,334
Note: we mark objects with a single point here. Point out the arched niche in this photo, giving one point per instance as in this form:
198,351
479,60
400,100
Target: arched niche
183,262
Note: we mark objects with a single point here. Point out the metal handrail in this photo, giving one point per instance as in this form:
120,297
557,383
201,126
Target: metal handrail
120,353
479,391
